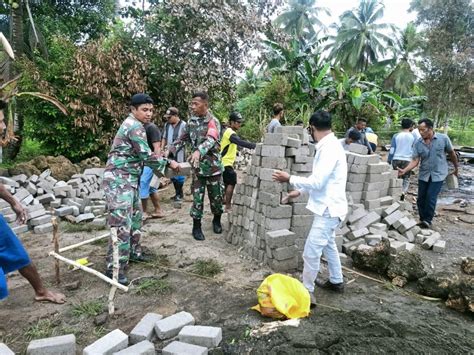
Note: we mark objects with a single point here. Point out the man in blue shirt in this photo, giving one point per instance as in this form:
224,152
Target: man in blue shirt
430,152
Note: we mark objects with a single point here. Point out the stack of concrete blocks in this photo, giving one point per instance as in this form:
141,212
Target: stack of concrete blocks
259,222
79,199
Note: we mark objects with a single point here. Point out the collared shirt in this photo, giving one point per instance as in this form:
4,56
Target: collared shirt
433,162
327,183
401,147
274,123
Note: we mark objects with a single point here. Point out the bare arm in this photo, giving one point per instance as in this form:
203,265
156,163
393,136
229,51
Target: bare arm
16,206
157,148
454,160
413,164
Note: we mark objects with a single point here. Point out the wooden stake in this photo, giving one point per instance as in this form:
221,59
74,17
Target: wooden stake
115,263
88,241
89,270
54,221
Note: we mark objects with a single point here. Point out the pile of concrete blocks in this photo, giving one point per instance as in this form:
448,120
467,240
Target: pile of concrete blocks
178,334
275,234
79,199
259,223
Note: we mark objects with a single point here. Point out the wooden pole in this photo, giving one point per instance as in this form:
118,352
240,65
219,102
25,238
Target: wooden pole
89,270
116,267
88,241
57,274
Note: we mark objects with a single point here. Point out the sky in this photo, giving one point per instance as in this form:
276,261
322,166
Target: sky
396,11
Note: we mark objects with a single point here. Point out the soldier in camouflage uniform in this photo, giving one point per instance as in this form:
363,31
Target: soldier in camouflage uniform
203,134
130,151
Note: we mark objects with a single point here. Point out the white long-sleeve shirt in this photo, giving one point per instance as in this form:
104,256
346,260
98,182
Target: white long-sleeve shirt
327,183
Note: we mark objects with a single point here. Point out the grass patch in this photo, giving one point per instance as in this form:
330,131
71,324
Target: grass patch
153,286
88,309
86,227
44,328
207,267
99,332
101,242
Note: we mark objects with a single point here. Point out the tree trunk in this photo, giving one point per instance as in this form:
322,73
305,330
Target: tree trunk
447,114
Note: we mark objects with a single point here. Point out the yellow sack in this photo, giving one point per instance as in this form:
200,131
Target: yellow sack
281,296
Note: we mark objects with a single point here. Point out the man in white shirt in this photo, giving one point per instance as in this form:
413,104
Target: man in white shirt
278,113
401,152
326,187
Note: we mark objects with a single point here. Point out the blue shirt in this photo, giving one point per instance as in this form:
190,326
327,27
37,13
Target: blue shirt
433,162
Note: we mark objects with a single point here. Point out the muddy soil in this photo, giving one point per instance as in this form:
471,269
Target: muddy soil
369,317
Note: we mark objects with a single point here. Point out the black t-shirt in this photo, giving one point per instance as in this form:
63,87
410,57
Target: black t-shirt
153,134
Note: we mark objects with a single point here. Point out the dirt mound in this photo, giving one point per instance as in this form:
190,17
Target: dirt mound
61,167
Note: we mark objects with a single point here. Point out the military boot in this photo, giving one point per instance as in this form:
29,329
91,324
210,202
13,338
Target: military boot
216,224
197,231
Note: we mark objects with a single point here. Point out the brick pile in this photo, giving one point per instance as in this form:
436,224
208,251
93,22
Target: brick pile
275,234
79,199
177,334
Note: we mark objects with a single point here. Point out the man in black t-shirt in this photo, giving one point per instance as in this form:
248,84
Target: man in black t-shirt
153,135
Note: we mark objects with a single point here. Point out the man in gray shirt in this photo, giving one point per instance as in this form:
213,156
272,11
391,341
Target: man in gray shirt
430,152
277,116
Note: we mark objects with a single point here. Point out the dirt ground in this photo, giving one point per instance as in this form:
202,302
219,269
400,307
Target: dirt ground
369,317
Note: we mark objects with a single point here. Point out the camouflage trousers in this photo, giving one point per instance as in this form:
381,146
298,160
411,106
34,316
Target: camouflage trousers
125,214
215,192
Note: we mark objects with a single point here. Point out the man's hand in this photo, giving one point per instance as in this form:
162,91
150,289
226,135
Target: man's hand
280,176
401,172
291,194
174,165
456,171
195,159
20,213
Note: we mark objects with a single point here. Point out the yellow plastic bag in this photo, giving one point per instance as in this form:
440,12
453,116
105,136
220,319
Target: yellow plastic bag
281,296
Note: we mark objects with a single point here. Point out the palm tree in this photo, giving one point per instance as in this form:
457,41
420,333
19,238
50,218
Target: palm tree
402,77
360,40
299,18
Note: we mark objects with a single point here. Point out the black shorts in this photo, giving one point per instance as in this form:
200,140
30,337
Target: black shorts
229,176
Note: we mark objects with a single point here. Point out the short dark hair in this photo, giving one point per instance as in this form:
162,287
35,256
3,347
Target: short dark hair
321,120
277,108
407,123
299,123
3,105
201,94
361,120
354,135
427,122
235,117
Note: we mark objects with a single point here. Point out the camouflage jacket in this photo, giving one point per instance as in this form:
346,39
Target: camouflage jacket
203,134
130,151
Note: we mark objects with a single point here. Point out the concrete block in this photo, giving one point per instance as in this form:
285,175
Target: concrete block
406,225
396,246
266,198
46,198
357,233
357,215
378,227
284,265
37,213
10,182
347,247
5,350
99,221
9,218
358,148
266,174
144,347
180,348
85,217
273,151
274,163
392,218
284,253
356,178
420,238
370,195
302,167
43,228
291,152
431,240
94,171
300,209
386,200
312,149
279,238
65,344
392,208
378,168
354,186
373,239
409,247
396,183
293,142
63,211
20,229
282,211
205,336
113,342
439,246
277,223
367,220
40,220
170,326
369,186
145,328
275,139
358,169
